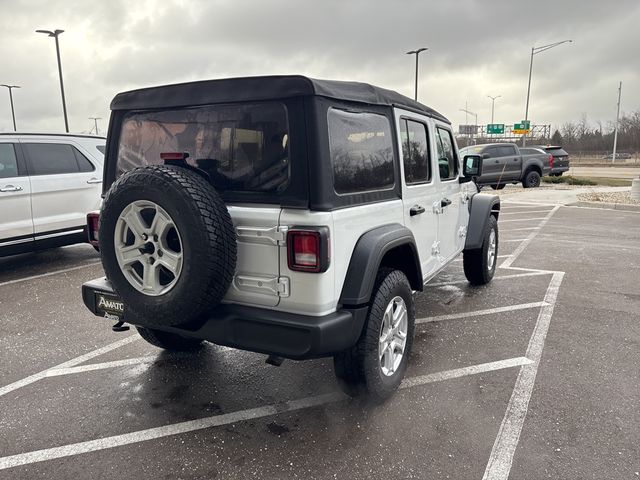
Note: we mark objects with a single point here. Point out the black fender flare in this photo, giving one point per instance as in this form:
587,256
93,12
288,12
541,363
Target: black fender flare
480,207
367,256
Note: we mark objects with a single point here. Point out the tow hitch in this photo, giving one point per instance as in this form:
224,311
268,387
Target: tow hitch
120,327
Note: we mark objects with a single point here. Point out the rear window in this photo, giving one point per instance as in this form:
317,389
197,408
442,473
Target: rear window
243,147
557,152
52,158
361,151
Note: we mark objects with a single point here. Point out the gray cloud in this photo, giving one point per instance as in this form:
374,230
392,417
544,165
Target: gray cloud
475,49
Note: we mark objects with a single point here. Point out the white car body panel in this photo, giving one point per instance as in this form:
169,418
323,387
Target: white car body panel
15,208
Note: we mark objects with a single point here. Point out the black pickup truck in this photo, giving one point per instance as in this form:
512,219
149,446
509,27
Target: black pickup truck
504,163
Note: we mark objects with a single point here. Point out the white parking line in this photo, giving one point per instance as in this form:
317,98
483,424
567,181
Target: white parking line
521,213
55,372
521,220
514,256
502,277
70,363
48,274
233,417
504,447
519,229
488,311
512,240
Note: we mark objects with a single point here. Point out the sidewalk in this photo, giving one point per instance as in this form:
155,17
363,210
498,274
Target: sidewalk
557,195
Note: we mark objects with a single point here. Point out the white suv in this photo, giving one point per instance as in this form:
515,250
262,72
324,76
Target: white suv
48,184
285,215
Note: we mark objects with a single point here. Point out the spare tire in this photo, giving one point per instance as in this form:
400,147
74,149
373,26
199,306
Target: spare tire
167,245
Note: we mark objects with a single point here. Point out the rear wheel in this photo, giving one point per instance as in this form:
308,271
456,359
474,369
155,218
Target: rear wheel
376,365
169,341
531,179
499,186
480,264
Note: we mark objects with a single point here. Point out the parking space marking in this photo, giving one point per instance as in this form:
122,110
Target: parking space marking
70,363
465,371
475,313
519,229
521,220
56,372
48,274
512,240
238,416
518,251
501,277
506,442
502,212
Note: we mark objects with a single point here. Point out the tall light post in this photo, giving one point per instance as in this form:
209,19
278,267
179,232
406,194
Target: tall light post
615,135
535,51
417,54
55,35
476,124
493,102
13,113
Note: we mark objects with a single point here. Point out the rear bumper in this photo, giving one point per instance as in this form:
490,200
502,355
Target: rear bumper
259,330
560,169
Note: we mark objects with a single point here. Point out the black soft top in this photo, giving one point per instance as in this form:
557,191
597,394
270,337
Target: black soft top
246,89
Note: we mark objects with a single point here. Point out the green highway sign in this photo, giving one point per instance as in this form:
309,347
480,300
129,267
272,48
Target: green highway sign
495,128
524,125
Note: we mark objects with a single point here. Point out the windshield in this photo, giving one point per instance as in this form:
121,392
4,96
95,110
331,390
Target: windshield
242,147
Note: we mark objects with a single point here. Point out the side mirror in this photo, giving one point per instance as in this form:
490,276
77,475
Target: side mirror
472,166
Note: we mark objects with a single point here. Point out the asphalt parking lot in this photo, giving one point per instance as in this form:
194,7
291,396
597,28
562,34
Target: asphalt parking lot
536,375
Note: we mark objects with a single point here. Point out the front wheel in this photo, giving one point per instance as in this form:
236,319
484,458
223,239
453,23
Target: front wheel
480,264
376,365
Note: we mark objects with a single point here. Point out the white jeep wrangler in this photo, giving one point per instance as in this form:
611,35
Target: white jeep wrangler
284,215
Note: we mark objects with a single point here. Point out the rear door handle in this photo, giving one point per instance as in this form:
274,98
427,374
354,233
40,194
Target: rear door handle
416,210
445,202
94,180
10,188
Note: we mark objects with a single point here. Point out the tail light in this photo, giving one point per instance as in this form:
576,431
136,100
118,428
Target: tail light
93,227
308,249
551,161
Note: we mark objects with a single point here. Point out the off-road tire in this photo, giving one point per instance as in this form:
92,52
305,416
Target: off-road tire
169,341
476,262
531,179
358,369
207,236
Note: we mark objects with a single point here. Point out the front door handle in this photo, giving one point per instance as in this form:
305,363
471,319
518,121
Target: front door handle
416,210
445,202
94,180
10,188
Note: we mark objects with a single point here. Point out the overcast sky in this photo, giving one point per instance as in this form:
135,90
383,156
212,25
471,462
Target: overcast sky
475,49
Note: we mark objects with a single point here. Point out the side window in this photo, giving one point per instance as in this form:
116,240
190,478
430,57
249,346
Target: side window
83,162
51,158
361,151
447,159
491,152
8,161
415,152
507,150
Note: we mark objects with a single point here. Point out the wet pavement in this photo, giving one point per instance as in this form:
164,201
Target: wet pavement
533,376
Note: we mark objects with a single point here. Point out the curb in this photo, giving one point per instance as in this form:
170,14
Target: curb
610,206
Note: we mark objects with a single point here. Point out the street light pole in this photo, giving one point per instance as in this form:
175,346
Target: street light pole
55,35
535,51
493,102
13,113
417,54
615,135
